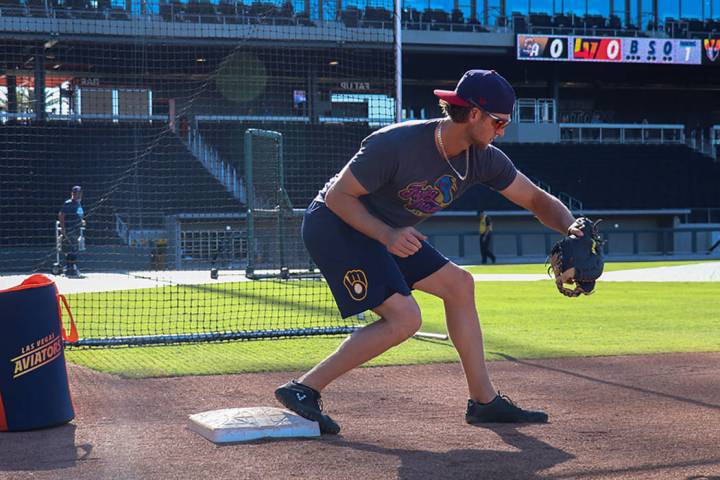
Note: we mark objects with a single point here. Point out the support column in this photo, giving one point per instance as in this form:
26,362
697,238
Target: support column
312,97
39,103
655,14
627,13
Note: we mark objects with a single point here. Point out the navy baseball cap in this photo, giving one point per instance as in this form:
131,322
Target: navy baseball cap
486,89
77,188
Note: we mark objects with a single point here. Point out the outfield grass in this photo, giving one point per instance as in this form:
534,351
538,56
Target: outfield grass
541,268
520,319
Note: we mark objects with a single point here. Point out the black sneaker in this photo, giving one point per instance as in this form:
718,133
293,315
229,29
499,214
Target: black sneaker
501,410
306,402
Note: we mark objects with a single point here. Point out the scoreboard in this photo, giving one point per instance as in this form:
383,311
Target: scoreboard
618,49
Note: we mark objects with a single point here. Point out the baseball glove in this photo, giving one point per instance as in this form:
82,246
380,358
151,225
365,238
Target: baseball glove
577,260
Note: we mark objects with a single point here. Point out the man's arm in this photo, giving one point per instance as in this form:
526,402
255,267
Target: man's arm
61,218
548,209
343,199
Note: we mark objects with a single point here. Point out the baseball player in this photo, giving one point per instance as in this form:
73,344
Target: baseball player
72,222
360,231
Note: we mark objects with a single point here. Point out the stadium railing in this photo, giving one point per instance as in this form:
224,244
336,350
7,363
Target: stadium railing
622,133
526,243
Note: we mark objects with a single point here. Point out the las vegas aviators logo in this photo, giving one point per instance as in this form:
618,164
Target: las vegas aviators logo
712,48
37,354
422,199
356,283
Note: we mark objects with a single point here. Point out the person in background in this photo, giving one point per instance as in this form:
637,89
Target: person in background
72,221
485,238
714,246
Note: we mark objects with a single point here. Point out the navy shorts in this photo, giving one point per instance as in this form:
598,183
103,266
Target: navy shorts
359,270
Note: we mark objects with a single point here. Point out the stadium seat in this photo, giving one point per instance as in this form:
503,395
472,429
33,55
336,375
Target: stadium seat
96,155
351,16
12,8
561,20
540,20
117,13
230,11
595,21
614,22
682,178
695,25
519,23
303,18
37,8
376,17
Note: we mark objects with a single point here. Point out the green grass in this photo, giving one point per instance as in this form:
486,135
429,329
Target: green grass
541,268
520,319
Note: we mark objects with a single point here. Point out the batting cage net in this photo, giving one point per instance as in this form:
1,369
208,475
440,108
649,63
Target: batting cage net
157,158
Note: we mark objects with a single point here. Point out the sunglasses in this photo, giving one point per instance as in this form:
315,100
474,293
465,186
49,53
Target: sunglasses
499,123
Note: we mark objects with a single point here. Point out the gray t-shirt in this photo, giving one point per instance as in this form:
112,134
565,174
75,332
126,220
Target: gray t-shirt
407,178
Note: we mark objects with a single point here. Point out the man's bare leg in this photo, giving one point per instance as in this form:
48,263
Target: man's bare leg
400,319
456,288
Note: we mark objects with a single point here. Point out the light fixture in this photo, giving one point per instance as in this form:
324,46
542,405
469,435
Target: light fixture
334,62
201,60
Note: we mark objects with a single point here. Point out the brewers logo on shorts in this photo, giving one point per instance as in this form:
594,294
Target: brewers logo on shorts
356,283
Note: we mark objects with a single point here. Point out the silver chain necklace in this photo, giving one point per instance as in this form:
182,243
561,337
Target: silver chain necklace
438,138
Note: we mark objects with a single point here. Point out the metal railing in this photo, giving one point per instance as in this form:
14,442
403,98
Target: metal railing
74,117
622,133
535,110
536,244
209,157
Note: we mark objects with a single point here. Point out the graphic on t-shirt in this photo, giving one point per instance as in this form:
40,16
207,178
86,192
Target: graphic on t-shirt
356,283
422,199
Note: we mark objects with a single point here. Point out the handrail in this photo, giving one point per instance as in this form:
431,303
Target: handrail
622,133
663,241
121,228
209,157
